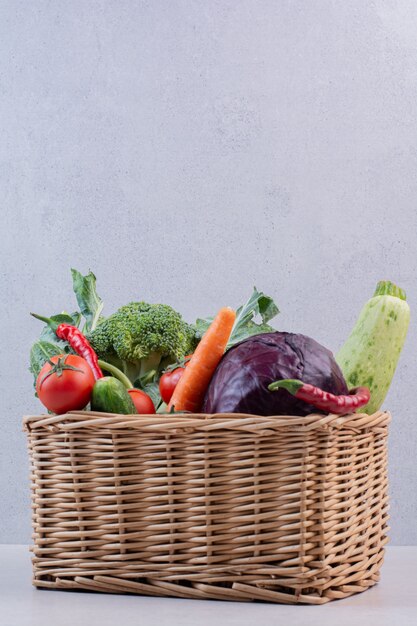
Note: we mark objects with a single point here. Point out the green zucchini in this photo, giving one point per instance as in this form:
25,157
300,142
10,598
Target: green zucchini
111,396
370,355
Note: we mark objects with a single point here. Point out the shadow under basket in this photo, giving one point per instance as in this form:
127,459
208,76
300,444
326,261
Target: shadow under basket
228,507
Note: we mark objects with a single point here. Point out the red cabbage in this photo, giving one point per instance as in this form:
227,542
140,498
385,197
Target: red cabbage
240,382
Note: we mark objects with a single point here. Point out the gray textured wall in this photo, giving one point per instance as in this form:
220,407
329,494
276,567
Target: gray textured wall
187,150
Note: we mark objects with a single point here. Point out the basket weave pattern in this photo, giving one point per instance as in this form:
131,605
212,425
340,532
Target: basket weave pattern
231,507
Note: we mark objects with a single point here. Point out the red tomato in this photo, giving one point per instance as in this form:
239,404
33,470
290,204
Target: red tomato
168,382
142,401
66,385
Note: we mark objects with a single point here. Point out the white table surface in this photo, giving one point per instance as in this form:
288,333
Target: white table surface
393,602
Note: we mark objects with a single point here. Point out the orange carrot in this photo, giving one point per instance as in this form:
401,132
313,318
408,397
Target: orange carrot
189,393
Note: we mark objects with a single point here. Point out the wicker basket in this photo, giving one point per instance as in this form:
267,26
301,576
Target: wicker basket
231,507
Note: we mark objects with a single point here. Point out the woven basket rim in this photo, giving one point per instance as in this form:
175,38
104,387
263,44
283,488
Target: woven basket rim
76,420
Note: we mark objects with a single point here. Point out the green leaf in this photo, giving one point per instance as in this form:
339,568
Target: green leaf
150,385
248,330
88,300
202,325
258,304
40,353
76,318
152,389
246,325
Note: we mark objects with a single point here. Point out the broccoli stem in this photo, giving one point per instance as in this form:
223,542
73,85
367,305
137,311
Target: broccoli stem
112,369
149,363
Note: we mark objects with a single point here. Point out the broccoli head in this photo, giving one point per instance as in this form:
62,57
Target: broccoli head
141,337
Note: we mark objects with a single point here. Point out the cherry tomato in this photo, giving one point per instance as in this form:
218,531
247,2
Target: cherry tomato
168,382
142,401
66,385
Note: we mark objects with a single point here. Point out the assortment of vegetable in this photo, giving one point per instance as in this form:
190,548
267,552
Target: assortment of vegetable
145,358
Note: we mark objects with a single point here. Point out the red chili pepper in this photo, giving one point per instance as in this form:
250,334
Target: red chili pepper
324,400
78,342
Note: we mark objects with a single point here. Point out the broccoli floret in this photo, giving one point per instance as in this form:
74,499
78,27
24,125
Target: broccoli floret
140,338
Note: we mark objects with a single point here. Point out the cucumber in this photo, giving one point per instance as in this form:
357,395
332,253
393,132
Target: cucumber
370,355
111,396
